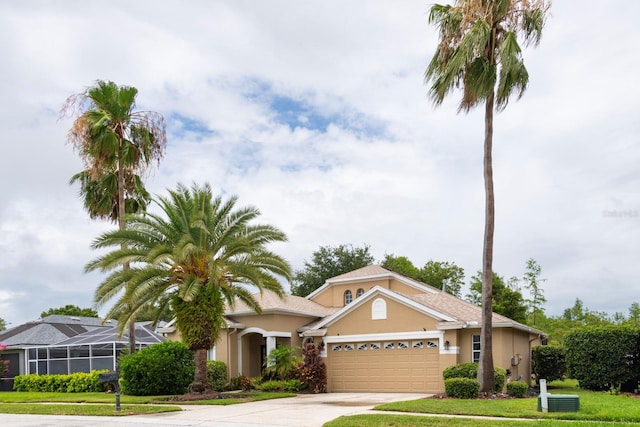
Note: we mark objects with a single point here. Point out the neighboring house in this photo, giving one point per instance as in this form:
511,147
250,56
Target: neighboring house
60,344
382,332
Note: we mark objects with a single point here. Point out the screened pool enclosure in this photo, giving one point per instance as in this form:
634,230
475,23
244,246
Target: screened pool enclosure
93,350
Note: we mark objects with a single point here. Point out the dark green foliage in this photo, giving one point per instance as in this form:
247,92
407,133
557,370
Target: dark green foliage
433,273
328,262
500,376
292,386
470,370
79,382
70,310
313,372
217,374
602,358
507,299
548,362
462,388
164,368
282,363
517,388
461,370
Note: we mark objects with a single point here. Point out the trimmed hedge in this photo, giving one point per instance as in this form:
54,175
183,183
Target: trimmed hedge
470,370
603,358
517,388
462,388
217,374
160,369
548,362
79,382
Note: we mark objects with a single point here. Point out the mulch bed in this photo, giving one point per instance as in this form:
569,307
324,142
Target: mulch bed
189,397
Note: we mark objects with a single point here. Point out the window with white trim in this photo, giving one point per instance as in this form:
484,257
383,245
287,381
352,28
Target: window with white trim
348,297
359,292
475,348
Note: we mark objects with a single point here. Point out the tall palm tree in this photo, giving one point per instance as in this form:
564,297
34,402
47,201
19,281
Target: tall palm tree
116,144
201,254
479,52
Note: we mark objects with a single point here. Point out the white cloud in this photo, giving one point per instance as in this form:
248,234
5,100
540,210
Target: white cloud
390,170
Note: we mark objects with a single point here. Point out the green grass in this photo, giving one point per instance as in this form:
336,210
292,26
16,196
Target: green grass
103,404
594,406
34,397
387,420
83,409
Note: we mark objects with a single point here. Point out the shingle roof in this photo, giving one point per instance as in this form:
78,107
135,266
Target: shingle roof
269,301
370,270
457,308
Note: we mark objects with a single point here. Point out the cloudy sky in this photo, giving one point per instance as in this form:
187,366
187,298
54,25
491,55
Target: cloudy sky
316,113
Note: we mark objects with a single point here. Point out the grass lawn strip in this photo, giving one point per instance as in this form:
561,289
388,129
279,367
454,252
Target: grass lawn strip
594,406
83,409
388,420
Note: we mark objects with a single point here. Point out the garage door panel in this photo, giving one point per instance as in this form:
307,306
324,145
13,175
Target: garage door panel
396,369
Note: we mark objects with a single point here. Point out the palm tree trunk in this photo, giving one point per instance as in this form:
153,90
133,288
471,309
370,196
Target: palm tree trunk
200,383
121,226
485,366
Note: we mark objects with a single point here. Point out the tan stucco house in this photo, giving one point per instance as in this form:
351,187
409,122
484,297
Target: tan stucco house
382,331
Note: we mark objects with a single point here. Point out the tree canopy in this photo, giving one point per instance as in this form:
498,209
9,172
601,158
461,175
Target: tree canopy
328,262
70,310
507,299
200,254
442,275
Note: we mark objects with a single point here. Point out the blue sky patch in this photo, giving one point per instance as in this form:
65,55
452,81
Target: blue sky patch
181,126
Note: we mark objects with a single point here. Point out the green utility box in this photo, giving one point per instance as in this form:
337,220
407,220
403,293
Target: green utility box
561,403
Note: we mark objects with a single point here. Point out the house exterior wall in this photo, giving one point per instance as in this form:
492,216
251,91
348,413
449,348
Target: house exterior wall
400,318
333,296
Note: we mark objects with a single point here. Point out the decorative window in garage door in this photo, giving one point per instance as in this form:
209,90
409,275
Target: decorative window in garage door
361,346
403,345
417,344
389,346
349,347
336,347
432,344
374,346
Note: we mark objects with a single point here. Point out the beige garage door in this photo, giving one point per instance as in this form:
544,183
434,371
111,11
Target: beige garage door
383,366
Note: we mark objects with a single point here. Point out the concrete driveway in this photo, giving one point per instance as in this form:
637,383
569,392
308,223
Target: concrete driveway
310,410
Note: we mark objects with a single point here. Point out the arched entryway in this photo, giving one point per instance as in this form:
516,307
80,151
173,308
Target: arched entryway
253,346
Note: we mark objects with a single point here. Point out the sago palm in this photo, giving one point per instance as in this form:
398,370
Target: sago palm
116,144
199,255
479,52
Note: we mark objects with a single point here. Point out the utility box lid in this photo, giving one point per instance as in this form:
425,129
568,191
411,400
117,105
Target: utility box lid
561,403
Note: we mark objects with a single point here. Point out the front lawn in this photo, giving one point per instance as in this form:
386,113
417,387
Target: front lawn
103,404
388,420
594,406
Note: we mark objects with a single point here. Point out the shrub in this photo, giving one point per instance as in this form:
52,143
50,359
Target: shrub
470,370
602,358
499,378
217,374
272,385
293,386
548,362
462,388
313,372
164,368
461,370
79,382
517,388
282,363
